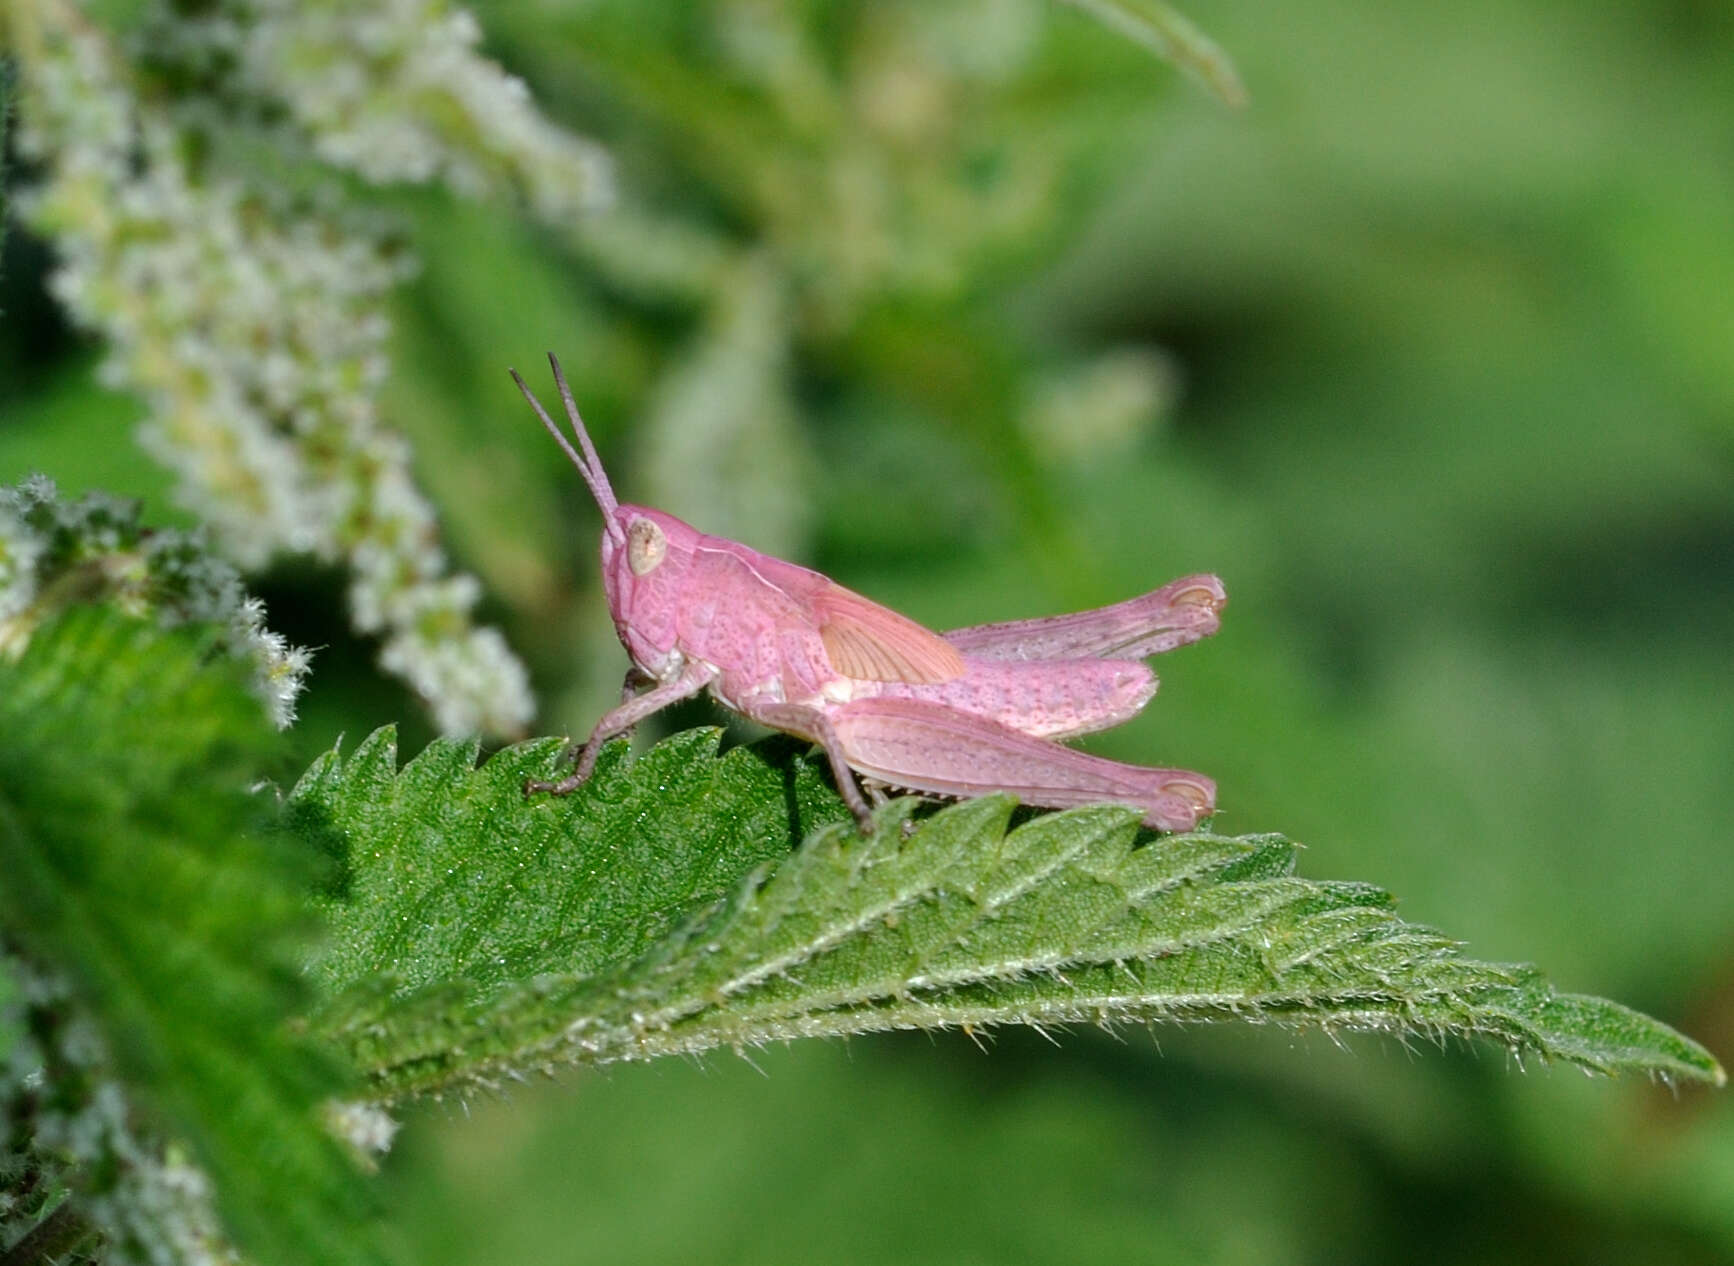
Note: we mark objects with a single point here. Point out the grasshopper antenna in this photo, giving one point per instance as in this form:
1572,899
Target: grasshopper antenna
589,464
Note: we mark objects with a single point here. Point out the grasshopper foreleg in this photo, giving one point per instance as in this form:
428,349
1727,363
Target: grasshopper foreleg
633,709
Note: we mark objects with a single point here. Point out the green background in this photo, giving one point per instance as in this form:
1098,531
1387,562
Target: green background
1451,306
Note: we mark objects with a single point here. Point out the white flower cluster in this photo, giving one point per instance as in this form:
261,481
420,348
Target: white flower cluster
167,575
153,1204
368,1128
393,90
21,549
253,322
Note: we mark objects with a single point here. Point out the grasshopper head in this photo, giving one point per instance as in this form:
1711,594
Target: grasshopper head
645,553
645,563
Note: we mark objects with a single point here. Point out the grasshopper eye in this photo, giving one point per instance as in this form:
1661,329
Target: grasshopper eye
645,546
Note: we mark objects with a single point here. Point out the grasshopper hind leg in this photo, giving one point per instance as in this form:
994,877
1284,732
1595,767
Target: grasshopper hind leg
936,750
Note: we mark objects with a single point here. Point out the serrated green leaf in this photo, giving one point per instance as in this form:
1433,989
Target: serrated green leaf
453,875
671,911
125,755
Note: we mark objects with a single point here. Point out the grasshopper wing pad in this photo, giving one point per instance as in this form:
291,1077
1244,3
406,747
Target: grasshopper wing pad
1180,612
873,643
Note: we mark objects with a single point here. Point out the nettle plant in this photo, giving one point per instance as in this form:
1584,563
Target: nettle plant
213,991
219,976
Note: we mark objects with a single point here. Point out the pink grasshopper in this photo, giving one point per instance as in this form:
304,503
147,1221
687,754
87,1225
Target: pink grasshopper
955,714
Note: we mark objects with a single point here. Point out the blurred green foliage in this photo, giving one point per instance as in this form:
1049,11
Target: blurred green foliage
1452,310
159,928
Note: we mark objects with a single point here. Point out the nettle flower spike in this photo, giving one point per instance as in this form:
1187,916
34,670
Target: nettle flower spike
252,321
54,551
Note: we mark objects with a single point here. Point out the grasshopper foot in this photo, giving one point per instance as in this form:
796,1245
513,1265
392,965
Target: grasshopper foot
863,819
585,763
565,787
